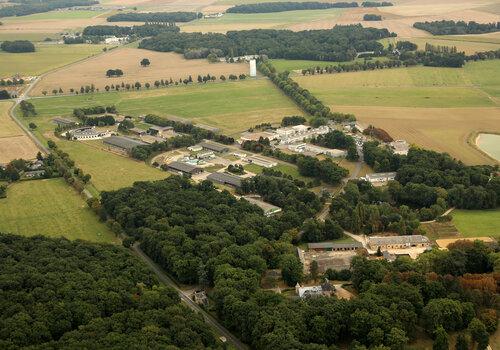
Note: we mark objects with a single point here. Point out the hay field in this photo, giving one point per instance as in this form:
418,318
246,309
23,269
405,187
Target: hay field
291,65
440,129
51,208
231,106
164,65
473,86
13,142
45,58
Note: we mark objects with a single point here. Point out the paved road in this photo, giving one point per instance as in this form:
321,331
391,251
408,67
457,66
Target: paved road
162,276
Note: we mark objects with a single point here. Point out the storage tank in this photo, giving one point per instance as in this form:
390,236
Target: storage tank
253,68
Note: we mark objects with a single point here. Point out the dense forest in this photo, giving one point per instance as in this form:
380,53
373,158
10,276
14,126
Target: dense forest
459,27
119,31
201,235
337,139
438,175
340,43
155,17
28,7
266,7
58,294
17,46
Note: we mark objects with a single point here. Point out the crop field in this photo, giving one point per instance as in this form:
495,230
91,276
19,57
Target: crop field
231,106
239,21
469,45
60,14
163,66
291,65
13,142
474,223
409,87
45,58
52,208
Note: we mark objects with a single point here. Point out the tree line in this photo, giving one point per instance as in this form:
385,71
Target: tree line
28,7
87,295
455,28
267,7
454,290
302,97
376,4
462,186
340,43
155,17
17,46
372,17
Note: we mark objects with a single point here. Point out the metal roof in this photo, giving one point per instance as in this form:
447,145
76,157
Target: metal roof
412,239
123,142
332,245
184,167
225,178
213,146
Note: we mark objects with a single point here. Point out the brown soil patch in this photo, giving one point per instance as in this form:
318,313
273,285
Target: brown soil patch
440,129
163,66
16,147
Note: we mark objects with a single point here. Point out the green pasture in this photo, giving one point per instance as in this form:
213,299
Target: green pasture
54,15
45,58
471,86
477,223
291,65
231,106
52,208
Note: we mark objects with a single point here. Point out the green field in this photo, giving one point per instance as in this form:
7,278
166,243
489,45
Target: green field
477,223
290,65
471,86
261,20
52,208
109,171
231,106
38,36
45,58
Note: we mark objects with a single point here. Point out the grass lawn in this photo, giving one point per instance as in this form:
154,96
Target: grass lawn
231,106
52,208
109,171
410,87
45,58
288,169
476,223
38,36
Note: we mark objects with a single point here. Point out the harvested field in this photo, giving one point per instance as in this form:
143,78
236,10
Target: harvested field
163,66
45,58
440,129
13,142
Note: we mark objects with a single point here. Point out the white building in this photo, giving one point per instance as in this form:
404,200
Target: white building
263,162
114,40
300,133
213,15
380,178
195,148
87,133
400,147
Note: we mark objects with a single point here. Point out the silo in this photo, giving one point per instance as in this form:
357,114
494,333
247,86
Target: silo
253,68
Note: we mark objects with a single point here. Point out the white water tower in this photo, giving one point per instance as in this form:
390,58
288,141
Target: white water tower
253,68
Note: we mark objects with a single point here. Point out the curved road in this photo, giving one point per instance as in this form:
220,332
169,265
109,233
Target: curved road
209,319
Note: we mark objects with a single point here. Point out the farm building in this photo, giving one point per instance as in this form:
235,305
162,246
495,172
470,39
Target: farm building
379,178
161,131
88,133
122,144
137,131
261,161
214,146
184,168
444,243
256,136
306,147
225,179
334,247
268,208
398,242
195,148
63,122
